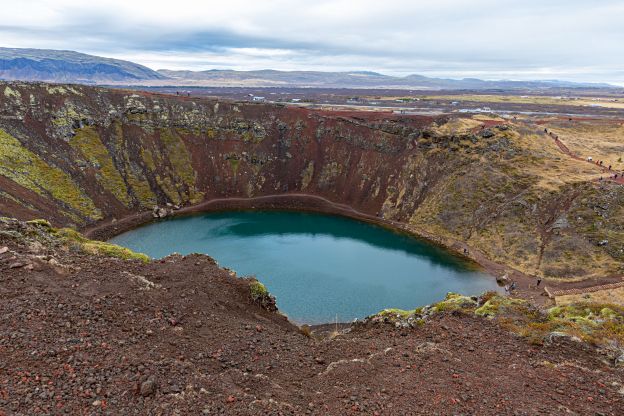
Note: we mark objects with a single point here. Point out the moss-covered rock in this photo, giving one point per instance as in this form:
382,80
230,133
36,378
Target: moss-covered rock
454,301
40,223
260,295
499,304
70,236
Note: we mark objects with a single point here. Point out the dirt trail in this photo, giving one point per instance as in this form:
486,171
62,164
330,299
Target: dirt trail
609,174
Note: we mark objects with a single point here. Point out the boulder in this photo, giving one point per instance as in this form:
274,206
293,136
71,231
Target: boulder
158,212
487,133
503,280
148,387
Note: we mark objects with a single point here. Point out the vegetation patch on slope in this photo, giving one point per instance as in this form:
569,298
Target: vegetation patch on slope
89,144
42,232
598,324
29,170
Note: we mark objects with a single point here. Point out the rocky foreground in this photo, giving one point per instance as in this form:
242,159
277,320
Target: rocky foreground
89,328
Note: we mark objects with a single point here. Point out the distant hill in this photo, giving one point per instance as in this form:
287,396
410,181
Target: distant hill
69,66
354,79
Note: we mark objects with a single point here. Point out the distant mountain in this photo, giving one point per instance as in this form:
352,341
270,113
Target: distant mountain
75,67
69,66
273,78
353,79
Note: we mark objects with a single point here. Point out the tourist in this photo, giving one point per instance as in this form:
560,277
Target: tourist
539,280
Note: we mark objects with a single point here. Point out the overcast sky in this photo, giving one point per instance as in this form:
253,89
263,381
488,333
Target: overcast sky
492,39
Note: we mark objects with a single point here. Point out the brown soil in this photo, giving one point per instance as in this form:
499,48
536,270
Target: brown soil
91,335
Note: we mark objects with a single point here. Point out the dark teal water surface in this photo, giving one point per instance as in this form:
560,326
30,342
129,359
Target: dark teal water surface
318,266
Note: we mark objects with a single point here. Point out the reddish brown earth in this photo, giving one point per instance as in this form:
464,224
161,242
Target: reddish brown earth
86,335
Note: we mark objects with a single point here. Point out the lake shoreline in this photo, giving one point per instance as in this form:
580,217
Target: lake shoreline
526,283
318,266
312,203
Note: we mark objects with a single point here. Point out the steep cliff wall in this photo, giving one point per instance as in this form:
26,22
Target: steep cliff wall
76,155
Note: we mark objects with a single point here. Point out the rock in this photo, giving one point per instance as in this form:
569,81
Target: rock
503,280
562,222
158,212
557,335
16,265
148,387
487,133
4,249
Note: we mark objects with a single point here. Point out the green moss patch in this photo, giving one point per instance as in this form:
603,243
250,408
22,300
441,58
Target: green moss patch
69,236
29,170
180,161
454,301
88,143
260,295
499,304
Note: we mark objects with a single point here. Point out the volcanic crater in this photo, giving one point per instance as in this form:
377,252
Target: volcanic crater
89,327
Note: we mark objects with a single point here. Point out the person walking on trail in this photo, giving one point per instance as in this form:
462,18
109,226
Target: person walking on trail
539,280
513,286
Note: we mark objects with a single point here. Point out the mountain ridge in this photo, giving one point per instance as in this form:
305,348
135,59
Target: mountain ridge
68,66
64,66
354,79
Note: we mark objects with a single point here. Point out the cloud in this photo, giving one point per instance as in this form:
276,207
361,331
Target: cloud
571,39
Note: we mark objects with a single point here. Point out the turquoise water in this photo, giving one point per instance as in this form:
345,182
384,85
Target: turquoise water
318,266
